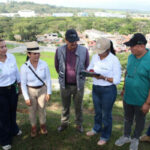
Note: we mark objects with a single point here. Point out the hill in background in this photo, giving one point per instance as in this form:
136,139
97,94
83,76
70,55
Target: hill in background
14,7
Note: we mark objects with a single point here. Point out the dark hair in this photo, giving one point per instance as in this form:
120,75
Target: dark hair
27,58
112,50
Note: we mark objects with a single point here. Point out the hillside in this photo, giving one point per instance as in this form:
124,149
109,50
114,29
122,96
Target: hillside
14,7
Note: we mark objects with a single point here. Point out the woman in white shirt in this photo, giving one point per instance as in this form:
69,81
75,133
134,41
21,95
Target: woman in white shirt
104,90
36,87
9,78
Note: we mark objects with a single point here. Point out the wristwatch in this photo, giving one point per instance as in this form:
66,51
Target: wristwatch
105,78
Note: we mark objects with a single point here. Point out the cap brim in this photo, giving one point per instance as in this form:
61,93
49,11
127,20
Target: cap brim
72,40
99,51
129,43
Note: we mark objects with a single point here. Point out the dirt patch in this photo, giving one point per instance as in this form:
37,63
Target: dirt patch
54,107
23,111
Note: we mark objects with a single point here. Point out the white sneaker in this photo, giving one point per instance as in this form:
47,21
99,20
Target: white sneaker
19,133
90,133
134,144
6,147
122,140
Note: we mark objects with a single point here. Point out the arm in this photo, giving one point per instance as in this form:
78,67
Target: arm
123,89
24,84
56,61
146,105
18,80
17,72
48,83
91,65
87,59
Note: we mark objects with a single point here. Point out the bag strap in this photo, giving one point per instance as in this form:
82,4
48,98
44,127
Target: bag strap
35,74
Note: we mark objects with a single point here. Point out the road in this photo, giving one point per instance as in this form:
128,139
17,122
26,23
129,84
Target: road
21,48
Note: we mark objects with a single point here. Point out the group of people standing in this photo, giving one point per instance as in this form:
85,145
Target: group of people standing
70,60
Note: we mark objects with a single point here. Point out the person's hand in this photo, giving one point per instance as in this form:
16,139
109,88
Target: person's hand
99,77
28,102
47,97
91,70
145,108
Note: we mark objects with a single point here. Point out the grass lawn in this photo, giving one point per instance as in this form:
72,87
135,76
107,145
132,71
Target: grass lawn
11,46
69,139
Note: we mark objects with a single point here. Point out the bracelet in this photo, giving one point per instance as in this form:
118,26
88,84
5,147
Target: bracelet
105,79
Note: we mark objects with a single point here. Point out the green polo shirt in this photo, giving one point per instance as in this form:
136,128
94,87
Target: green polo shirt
137,81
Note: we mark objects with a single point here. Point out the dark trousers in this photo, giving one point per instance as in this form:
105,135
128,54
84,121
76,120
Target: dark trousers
8,106
148,131
66,94
133,113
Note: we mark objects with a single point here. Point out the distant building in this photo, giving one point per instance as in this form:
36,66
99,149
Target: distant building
8,14
94,34
82,14
51,36
62,14
26,13
104,14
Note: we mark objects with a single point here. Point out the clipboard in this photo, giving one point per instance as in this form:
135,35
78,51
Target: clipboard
89,74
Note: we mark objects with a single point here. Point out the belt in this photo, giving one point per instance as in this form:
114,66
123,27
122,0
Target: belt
35,87
7,87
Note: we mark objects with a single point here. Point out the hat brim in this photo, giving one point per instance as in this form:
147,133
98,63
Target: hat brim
34,51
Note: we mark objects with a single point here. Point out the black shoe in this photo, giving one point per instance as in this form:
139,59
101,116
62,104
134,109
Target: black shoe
79,128
62,127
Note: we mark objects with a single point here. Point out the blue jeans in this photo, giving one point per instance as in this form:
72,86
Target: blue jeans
148,131
103,99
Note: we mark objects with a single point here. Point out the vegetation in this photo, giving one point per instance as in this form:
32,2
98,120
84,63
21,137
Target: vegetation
28,28
14,7
69,139
11,46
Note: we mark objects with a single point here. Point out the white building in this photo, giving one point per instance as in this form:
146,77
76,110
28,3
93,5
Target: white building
94,34
26,13
62,14
8,14
104,14
82,14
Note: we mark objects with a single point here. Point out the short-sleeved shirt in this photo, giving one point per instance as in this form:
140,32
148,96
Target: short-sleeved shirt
137,81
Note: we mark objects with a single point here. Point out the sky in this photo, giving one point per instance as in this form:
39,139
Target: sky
106,4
